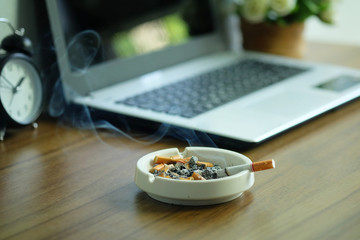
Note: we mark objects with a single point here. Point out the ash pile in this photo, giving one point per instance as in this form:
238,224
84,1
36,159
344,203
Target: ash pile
191,169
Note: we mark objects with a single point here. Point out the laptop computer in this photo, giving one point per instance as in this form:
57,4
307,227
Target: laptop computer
181,63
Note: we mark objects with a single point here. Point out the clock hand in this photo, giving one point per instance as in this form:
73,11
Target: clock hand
14,89
11,100
6,87
8,82
17,87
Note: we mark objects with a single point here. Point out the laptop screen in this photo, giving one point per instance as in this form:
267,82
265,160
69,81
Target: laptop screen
132,28
103,36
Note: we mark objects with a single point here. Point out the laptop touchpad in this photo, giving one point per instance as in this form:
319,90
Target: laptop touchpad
290,104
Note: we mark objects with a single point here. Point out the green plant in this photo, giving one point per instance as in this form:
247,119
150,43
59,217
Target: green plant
284,12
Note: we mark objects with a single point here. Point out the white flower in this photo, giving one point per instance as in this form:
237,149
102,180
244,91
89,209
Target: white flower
327,15
255,10
282,7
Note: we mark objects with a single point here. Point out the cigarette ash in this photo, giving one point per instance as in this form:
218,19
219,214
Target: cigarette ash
185,169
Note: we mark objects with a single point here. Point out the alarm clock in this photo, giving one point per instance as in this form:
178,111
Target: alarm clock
21,87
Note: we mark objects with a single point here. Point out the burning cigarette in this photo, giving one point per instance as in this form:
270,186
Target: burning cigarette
253,167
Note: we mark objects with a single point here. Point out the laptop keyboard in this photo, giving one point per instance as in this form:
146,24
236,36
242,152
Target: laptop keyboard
199,94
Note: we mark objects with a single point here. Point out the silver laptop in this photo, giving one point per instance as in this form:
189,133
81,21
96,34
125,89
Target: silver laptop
180,62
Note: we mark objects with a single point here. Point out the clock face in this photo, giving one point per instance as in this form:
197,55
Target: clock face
20,90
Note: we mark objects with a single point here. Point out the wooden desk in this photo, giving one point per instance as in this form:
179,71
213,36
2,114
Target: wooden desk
62,183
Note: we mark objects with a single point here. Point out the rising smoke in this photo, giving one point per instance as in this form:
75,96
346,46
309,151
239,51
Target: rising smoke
82,50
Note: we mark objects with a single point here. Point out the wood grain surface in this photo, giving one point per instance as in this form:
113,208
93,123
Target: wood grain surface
59,182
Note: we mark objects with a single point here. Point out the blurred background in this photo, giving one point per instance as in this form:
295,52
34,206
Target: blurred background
344,31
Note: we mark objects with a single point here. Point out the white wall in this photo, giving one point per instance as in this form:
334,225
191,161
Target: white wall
8,9
22,14
345,30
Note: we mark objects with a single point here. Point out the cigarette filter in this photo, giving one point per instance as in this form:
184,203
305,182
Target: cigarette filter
253,167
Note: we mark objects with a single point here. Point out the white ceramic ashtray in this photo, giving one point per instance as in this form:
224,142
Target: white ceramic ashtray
199,192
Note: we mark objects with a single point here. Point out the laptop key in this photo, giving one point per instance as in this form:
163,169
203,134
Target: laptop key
199,94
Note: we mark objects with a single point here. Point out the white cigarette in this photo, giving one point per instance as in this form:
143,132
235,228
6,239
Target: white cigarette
253,167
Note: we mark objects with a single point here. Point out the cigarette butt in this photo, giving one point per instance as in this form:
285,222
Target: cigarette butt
176,157
179,158
157,168
197,176
169,160
162,174
167,167
188,178
162,159
207,164
165,176
263,165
